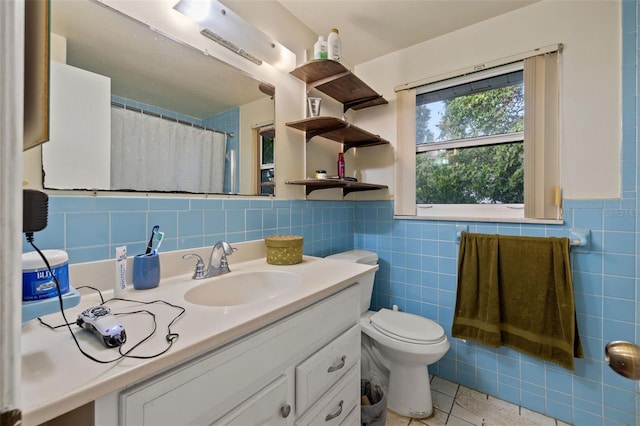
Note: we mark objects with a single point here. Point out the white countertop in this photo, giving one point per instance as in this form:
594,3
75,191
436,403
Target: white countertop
57,378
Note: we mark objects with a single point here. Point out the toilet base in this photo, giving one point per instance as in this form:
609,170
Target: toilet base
409,391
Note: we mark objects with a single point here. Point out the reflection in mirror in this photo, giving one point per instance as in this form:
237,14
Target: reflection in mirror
266,149
175,119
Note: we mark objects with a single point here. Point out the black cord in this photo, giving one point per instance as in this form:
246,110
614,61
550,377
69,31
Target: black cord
94,289
170,337
55,327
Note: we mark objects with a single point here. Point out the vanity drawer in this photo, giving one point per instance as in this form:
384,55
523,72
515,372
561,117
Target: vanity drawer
320,371
337,405
353,418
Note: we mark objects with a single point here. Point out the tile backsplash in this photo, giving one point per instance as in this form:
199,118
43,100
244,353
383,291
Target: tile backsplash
91,227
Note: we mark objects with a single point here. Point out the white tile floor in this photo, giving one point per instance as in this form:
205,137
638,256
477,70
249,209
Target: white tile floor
457,405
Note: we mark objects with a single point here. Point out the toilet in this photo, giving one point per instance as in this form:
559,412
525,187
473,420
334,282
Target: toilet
398,344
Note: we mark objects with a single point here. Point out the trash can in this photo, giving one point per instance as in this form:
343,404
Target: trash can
373,404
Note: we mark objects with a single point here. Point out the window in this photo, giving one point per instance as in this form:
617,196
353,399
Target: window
483,143
266,140
470,142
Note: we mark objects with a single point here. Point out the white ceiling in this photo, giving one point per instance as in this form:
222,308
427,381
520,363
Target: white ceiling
373,28
105,42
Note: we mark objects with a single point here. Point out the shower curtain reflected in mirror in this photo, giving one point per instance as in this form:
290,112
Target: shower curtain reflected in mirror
153,154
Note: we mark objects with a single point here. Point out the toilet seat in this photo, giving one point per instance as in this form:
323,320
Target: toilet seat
407,327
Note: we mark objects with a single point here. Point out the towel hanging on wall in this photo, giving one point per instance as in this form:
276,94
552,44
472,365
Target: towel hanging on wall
517,292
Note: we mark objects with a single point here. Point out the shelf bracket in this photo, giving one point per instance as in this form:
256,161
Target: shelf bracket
322,81
309,134
346,146
349,188
355,103
309,189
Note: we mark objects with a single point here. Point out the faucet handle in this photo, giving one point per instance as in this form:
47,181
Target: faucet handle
200,272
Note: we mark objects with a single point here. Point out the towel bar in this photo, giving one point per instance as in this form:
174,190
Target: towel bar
578,237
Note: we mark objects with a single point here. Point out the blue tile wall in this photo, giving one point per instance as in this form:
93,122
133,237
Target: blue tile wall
418,261
417,272
90,228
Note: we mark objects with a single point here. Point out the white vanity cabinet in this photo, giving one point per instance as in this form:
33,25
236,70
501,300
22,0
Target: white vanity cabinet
302,369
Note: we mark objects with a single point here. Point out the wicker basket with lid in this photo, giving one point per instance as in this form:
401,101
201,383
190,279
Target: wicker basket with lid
284,249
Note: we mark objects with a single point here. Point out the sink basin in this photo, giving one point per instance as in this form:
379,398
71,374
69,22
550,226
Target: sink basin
241,288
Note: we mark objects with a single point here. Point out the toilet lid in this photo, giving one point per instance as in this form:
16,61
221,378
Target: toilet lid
407,327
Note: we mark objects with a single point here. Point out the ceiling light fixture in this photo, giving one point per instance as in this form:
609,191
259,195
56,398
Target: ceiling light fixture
226,43
224,26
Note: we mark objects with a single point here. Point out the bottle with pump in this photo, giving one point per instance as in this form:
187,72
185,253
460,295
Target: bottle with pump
340,165
320,49
333,45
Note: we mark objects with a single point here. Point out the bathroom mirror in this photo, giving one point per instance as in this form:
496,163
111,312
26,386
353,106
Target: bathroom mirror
154,73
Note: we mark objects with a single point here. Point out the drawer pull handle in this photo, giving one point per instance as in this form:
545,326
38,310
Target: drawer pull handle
336,414
339,366
285,410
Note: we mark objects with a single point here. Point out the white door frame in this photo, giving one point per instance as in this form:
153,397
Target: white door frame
11,131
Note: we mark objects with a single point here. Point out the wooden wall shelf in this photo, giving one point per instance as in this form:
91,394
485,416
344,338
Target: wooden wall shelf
337,130
347,186
335,80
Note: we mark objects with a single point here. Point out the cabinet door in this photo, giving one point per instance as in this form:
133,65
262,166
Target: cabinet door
270,406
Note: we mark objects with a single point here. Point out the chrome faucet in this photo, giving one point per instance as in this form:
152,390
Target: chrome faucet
199,272
218,264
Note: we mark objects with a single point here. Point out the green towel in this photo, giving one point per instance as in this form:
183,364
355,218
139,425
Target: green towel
517,292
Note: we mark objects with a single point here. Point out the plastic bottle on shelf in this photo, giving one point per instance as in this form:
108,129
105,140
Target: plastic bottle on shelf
320,49
341,165
333,45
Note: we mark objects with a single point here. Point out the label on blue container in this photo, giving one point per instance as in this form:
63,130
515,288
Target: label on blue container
37,285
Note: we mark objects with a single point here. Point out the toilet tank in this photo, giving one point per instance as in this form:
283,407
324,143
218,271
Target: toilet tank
366,282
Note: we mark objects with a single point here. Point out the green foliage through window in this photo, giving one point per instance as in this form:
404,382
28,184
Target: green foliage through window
478,175
472,173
